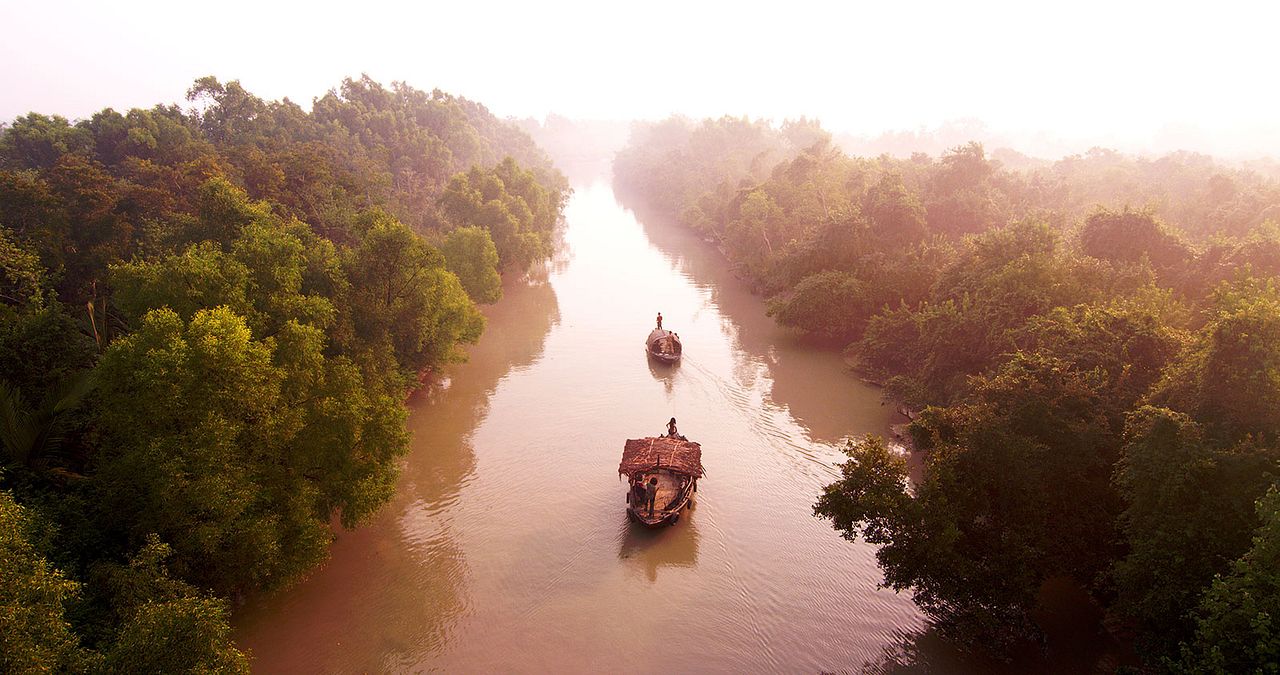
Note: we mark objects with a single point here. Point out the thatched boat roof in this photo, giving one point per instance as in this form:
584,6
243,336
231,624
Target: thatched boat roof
644,454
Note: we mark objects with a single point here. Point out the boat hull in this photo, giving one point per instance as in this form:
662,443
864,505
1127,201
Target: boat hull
675,494
663,345
662,358
653,523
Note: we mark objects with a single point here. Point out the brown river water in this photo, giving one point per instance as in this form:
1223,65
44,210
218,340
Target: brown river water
507,547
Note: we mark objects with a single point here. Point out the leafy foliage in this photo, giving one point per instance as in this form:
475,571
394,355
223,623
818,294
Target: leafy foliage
35,635
1090,345
1190,511
507,201
1230,376
209,321
470,254
1236,631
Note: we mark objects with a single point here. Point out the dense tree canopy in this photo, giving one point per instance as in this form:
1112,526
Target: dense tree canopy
1235,623
209,321
35,636
469,252
1088,347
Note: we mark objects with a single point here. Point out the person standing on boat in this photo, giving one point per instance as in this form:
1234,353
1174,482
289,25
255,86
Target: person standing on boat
659,320
651,492
638,492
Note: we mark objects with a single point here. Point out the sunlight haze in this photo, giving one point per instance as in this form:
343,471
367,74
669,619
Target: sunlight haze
582,337
1132,75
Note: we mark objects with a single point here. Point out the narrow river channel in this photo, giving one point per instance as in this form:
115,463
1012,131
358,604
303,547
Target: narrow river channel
507,547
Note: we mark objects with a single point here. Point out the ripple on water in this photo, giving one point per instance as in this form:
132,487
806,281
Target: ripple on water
508,549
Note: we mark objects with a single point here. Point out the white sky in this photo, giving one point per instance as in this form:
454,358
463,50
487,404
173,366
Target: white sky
1199,74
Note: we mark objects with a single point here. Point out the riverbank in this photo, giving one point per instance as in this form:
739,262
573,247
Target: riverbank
509,524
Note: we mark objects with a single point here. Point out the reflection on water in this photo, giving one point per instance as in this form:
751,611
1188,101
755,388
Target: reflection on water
648,550
810,380
926,651
507,547
664,373
393,588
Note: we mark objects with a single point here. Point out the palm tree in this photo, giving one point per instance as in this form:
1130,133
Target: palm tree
33,436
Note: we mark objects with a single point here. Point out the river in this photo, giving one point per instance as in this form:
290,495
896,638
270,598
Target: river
507,547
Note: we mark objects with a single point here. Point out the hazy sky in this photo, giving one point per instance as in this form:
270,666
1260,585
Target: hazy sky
1203,73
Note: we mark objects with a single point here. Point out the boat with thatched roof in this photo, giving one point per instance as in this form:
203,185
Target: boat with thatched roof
663,345
674,463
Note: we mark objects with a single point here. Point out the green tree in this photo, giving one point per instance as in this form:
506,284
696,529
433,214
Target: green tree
22,277
261,331
831,303
753,232
870,500
1015,479
277,258
470,254
897,216
961,195
196,434
41,347
1131,340
1229,379
351,433
406,306
98,231
1237,630
190,635
224,210
33,436
1129,236
162,624
1189,511
35,635
201,277
36,141
510,204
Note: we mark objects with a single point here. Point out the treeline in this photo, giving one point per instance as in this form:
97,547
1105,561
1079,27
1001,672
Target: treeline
1093,347
209,321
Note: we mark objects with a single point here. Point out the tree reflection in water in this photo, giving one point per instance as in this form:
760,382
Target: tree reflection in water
807,378
393,588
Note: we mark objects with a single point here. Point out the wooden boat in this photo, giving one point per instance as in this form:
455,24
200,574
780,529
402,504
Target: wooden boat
676,463
663,345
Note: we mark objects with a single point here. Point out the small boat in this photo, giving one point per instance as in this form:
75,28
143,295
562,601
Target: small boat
676,463
663,345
